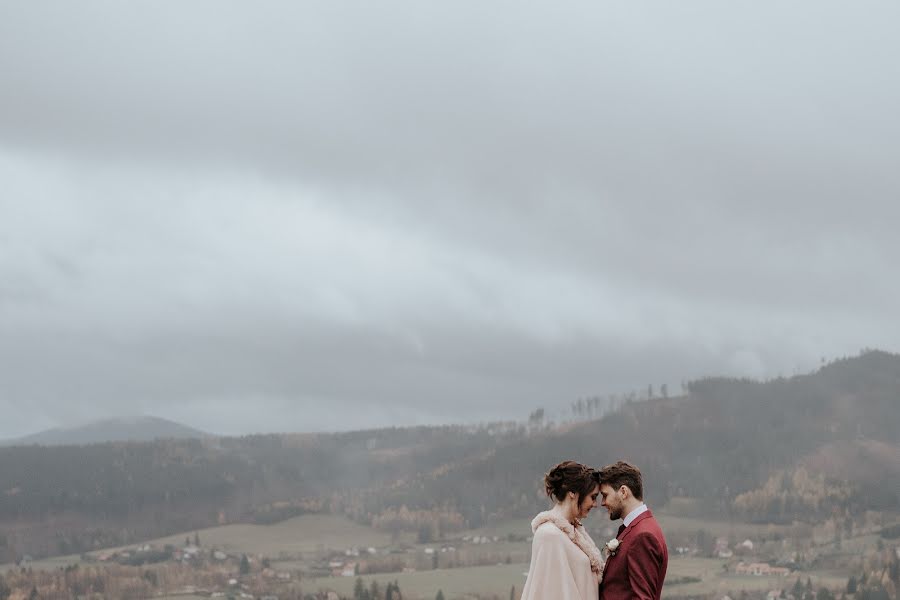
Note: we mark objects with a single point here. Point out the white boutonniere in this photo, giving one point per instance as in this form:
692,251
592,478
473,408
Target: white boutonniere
611,547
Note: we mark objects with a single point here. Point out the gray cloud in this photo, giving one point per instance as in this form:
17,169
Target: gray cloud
326,216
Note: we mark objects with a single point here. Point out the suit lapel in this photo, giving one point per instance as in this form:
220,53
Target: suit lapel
644,515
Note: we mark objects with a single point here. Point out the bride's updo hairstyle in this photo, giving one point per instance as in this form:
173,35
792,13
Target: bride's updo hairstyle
570,476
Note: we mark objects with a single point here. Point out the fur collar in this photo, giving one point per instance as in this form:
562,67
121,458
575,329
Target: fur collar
577,534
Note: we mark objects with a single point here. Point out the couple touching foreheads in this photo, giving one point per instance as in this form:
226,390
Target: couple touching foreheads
566,564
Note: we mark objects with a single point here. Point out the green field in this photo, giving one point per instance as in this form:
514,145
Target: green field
733,584
715,579
501,528
490,580
455,583
47,564
672,524
298,536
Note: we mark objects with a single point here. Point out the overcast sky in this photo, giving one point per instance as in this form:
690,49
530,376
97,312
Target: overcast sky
267,216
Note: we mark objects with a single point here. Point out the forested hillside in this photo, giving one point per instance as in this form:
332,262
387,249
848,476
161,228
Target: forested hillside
819,436
74,498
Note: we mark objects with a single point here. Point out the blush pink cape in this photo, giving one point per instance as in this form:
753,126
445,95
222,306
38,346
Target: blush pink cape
565,562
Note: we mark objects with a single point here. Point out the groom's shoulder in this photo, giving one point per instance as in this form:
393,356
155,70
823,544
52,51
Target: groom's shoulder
645,521
648,524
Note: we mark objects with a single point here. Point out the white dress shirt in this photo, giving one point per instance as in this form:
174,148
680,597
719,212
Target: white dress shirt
634,514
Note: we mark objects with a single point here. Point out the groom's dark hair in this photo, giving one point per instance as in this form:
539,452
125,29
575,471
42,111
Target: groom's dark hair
621,473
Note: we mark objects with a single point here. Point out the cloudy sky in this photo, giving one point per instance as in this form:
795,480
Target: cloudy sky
267,216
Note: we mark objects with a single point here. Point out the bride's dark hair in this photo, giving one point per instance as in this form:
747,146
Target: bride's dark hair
570,476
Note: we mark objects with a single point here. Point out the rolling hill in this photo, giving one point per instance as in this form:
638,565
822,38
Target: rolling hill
134,429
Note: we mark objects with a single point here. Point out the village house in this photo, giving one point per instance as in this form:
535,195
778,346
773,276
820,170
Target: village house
722,550
761,570
336,567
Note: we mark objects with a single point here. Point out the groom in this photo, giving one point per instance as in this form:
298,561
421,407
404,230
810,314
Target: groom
636,568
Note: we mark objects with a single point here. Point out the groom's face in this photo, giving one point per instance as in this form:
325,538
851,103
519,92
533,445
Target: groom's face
613,501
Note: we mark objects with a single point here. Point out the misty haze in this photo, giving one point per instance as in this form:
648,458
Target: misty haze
302,301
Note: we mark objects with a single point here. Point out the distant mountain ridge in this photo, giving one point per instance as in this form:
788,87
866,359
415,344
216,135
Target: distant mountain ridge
123,429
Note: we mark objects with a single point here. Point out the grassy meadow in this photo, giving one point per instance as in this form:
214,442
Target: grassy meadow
300,536
455,583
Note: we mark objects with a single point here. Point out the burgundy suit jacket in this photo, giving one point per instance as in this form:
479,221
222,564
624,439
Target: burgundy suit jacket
637,570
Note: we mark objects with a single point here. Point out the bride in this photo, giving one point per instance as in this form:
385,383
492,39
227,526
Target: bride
565,562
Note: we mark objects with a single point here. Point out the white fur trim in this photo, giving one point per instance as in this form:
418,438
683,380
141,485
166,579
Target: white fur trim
577,534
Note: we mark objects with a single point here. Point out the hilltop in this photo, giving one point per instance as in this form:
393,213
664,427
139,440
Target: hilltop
124,429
